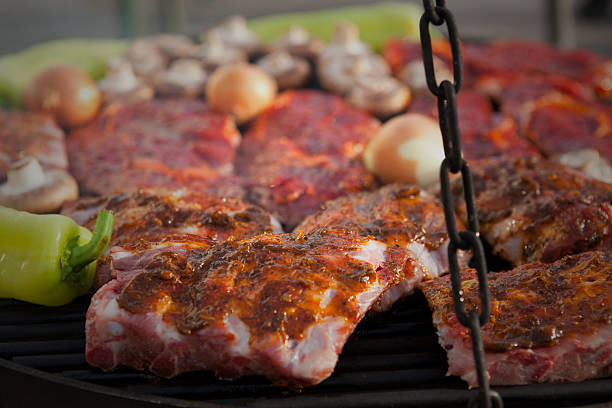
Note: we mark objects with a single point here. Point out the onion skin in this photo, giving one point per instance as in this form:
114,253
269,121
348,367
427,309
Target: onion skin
406,149
241,90
68,93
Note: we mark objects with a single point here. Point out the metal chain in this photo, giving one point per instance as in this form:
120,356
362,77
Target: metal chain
454,163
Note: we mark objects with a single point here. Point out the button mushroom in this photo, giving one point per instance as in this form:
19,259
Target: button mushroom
413,74
146,59
289,71
184,77
235,33
382,96
214,53
299,43
407,149
240,89
345,42
120,83
29,188
173,45
338,75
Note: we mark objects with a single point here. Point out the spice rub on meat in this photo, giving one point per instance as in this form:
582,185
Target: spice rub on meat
154,214
549,322
158,143
534,210
278,305
304,150
407,219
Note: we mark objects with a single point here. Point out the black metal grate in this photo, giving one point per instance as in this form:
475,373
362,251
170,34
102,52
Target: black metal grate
393,359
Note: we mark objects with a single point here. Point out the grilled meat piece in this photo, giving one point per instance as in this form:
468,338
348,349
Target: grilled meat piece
534,210
152,215
483,132
303,151
407,219
159,143
278,305
33,134
549,322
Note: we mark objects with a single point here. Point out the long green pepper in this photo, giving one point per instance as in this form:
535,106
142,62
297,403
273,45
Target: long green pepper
49,259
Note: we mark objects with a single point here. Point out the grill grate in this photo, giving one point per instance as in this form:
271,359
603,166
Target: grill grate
392,359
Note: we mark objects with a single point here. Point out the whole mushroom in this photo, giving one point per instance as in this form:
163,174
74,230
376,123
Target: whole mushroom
383,96
146,59
338,75
29,188
184,77
214,53
235,33
173,45
299,43
345,42
287,70
120,83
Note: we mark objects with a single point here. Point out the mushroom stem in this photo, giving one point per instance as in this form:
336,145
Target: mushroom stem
25,174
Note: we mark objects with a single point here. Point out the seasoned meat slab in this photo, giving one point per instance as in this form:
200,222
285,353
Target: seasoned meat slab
159,143
279,305
407,219
549,322
534,210
154,214
33,134
303,151
484,133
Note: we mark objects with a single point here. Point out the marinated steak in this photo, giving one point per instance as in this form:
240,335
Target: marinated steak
534,210
278,305
159,143
549,322
32,134
154,214
304,150
407,219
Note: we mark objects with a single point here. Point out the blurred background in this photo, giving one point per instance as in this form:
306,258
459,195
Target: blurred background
569,23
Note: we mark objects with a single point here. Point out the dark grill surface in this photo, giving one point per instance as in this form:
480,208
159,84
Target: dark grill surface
393,359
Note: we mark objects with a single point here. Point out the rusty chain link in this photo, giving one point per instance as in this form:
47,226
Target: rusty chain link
454,163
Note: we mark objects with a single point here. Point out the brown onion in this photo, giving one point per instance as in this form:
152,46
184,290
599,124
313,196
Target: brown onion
67,92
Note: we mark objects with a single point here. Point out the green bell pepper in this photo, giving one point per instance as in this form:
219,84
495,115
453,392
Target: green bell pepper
49,259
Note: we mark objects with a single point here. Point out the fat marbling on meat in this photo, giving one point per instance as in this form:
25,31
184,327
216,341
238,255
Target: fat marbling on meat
279,305
531,209
407,219
549,322
155,214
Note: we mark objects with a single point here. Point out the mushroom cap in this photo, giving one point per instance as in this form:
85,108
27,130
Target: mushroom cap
338,75
382,96
235,33
29,189
174,45
299,43
287,70
345,42
184,77
214,53
120,83
408,149
146,58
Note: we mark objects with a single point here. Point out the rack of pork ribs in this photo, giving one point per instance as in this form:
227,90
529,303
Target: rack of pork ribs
271,269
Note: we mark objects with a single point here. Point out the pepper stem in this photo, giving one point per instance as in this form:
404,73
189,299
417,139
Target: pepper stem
77,257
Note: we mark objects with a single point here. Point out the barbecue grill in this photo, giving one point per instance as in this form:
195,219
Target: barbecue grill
393,359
